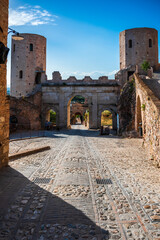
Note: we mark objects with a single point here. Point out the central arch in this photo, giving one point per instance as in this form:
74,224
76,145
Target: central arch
77,106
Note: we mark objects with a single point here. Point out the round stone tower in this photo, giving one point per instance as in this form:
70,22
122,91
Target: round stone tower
137,45
28,63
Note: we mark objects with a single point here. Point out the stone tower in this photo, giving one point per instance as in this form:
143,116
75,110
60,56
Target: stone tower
137,45
28,64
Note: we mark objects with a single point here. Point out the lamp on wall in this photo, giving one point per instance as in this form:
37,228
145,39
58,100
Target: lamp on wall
16,35
3,49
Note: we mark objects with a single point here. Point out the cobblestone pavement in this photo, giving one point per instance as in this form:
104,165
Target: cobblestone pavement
86,187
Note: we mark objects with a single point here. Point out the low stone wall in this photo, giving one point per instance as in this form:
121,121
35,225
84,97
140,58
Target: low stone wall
27,111
4,106
148,110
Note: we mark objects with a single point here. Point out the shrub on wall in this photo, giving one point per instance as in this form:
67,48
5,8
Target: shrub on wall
145,66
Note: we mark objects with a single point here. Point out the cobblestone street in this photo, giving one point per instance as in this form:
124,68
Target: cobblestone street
86,187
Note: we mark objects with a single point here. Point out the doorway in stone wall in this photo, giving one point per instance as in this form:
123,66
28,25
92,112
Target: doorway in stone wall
38,78
51,120
77,112
107,121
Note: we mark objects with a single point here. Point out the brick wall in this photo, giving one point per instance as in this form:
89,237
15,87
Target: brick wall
148,112
27,111
4,106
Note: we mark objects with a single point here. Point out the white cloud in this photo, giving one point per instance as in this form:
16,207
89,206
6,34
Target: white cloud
37,6
29,15
113,72
93,75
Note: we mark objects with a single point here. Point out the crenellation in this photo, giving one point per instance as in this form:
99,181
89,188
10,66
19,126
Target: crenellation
57,78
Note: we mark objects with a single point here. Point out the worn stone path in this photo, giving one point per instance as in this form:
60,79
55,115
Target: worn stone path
86,187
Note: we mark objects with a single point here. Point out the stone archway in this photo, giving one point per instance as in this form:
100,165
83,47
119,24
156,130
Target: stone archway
74,117
113,111
69,109
107,119
46,113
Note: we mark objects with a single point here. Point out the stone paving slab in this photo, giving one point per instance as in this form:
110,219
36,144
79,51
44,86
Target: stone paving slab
55,195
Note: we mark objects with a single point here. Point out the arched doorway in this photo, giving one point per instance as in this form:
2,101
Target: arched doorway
51,119
76,111
76,118
139,117
107,119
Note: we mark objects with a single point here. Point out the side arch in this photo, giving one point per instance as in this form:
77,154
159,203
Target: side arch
45,112
113,110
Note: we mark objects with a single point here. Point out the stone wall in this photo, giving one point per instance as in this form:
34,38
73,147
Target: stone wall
148,113
4,106
27,111
100,97
57,78
126,108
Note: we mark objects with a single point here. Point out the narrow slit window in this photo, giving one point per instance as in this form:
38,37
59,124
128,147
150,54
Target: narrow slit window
150,43
14,47
130,43
31,47
21,74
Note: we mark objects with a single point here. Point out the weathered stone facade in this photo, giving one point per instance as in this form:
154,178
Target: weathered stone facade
27,111
126,108
4,106
101,94
148,113
28,64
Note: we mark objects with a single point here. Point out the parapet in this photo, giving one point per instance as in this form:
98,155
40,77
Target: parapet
57,79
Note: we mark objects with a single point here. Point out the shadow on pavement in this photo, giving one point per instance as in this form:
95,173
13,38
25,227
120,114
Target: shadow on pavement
27,211
63,133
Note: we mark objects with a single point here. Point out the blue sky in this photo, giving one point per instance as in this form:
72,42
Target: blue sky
82,36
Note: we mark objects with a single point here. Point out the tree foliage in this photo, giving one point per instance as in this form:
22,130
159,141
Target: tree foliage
53,116
145,65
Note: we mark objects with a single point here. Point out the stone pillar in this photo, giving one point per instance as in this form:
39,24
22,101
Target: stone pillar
93,113
114,119
4,103
62,111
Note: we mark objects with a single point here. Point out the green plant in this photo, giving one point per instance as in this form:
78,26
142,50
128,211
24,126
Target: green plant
145,65
143,106
53,116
